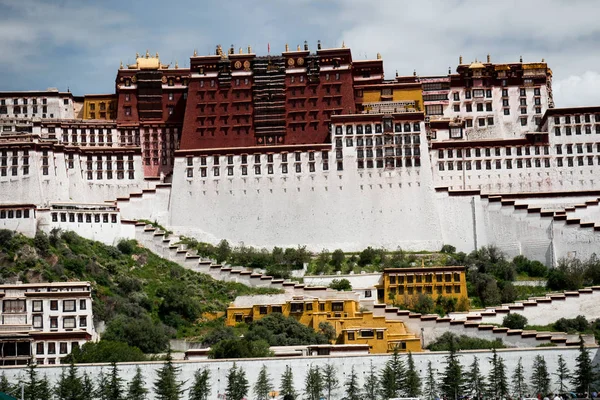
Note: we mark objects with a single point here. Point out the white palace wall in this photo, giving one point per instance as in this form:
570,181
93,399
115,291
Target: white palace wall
300,366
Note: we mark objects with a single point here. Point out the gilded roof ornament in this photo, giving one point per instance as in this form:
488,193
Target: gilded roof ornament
195,53
241,51
147,54
176,65
460,60
343,44
298,48
379,56
157,54
287,47
121,66
249,49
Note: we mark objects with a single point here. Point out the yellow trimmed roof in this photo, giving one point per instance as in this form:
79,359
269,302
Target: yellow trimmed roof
476,65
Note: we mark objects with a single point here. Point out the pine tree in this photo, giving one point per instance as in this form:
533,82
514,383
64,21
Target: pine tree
263,386
287,384
166,385
201,387
474,380
330,380
399,369
102,389
5,385
32,383
352,388
115,383
412,381
430,391
387,383
86,384
452,378
583,375
562,374
237,384
497,384
371,384
518,380
313,384
540,381
44,389
137,387
69,386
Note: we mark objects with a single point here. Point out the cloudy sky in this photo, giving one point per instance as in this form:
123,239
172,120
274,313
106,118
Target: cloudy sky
78,44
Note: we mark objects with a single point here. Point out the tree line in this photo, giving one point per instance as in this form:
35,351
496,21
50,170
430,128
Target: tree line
399,377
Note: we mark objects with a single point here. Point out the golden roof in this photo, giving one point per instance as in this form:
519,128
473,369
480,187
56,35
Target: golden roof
476,65
535,66
501,67
147,62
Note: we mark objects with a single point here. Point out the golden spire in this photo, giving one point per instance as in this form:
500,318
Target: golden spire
147,54
298,48
249,50
460,60
379,56
121,66
137,55
287,47
241,51
489,58
157,54
176,65
195,53
343,44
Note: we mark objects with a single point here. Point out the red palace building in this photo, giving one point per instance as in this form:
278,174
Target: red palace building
237,100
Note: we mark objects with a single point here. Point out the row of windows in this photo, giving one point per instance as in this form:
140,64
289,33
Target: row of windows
83,139
488,107
81,216
366,334
24,110
50,348
520,163
229,170
587,118
401,279
4,214
479,93
67,322
257,158
401,290
380,140
379,128
389,151
20,306
390,163
26,101
14,171
568,130
496,151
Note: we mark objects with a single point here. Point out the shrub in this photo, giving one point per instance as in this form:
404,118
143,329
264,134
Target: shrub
5,237
105,351
126,246
463,342
514,321
448,249
142,332
341,285
42,243
577,324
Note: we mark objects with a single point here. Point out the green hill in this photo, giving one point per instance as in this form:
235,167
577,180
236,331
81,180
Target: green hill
143,299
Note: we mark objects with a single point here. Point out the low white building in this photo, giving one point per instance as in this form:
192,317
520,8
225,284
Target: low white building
44,321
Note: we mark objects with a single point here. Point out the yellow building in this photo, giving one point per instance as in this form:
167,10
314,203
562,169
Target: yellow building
404,94
100,106
404,285
341,310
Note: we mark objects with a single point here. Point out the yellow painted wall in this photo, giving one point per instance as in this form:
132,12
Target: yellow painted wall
100,107
374,96
349,319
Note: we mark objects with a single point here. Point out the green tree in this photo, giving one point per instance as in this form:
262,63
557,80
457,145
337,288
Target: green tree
518,380
201,387
115,383
32,383
352,388
105,351
102,389
313,383
371,384
237,384
223,251
322,261
562,374
514,321
142,333
42,243
388,387
452,378
430,391
341,285
327,330
474,380
69,385
497,383
5,385
330,380
166,385
540,380
240,348
263,385
136,389
87,384
287,383
337,259
412,381
583,375
397,364
45,390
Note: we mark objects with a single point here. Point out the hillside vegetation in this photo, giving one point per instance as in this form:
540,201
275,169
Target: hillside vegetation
143,299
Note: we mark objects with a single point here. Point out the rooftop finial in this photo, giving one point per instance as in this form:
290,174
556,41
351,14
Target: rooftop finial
121,66
343,44
521,59
195,53
231,50
543,60
379,56
298,48
449,70
460,60
489,59
157,54
241,51
249,49
287,47
147,54
396,73
319,44
176,65
137,55
414,72
305,45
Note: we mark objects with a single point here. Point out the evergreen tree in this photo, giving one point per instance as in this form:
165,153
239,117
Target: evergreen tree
313,384
87,385
497,384
430,391
32,383
166,385
201,387
330,380
452,378
44,389
399,369
5,385
102,391
371,384
474,380
540,381
287,383
583,375
137,387
412,380
69,386
562,374
263,386
518,380
115,383
237,384
352,388
387,383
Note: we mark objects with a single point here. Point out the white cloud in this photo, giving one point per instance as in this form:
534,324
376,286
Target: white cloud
577,90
